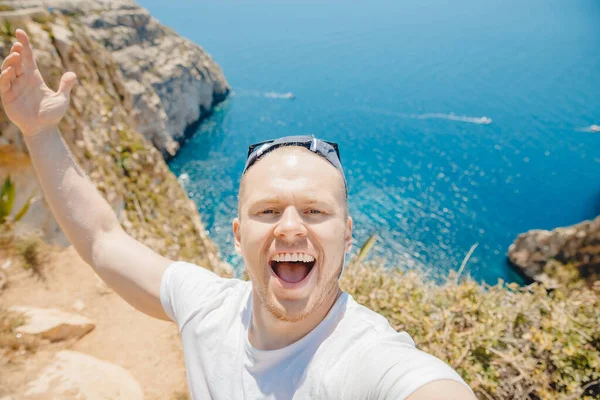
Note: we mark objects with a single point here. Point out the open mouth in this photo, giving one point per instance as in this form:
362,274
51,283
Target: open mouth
292,271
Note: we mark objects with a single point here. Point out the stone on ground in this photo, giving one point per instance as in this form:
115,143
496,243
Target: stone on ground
52,324
77,376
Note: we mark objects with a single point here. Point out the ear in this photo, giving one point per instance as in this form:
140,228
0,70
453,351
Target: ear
237,235
348,235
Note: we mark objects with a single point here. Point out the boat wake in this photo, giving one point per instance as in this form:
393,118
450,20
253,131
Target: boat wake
591,128
275,95
267,95
451,116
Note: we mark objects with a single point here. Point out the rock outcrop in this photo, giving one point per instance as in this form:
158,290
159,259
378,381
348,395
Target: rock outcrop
77,376
173,82
576,247
101,132
52,324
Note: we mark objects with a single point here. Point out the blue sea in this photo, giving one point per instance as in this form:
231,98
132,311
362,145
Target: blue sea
459,123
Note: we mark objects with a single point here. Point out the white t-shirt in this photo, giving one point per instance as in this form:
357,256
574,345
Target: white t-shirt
352,354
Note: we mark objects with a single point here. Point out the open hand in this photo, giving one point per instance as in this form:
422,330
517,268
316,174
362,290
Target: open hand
27,100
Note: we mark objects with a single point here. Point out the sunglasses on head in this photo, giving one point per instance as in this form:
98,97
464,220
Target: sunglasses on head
328,150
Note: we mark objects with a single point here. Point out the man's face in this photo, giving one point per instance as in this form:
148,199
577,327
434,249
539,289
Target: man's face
293,206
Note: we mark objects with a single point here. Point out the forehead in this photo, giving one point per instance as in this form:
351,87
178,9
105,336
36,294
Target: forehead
292,172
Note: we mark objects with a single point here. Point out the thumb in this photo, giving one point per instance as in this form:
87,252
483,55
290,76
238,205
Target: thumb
67,82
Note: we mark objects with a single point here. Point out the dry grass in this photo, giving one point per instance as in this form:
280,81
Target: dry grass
508,342
180,395
31,251
12,343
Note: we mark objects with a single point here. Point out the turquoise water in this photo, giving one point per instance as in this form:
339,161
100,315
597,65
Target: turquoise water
402,87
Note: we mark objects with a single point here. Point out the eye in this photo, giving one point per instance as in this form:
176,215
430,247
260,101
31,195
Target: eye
269,211
314,211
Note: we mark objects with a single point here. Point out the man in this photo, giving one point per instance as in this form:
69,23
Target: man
290,332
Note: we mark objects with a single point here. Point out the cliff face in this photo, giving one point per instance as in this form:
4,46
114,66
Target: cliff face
173,82
540,254
101,131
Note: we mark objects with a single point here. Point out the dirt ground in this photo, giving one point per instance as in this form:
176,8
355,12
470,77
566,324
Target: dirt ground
149,348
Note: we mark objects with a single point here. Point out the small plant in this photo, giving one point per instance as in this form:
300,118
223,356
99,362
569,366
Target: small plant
366,248
7,200
7,30
6,7
10,339
30,250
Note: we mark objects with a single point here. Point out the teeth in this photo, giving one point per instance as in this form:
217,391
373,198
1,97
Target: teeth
293,257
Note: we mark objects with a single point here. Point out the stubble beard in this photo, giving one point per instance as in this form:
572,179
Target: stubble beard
296,311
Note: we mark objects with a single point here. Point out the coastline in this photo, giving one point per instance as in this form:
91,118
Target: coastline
102,128
506,341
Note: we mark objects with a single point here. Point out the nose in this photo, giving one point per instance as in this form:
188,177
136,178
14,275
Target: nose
290,225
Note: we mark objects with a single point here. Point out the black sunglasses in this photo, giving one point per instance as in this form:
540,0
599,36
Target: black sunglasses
328,150
302,143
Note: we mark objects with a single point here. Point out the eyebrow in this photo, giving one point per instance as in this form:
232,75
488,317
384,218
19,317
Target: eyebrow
278,199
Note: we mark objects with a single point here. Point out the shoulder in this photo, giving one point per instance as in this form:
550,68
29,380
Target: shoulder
389,362
443,390
371,327
188,289
188,279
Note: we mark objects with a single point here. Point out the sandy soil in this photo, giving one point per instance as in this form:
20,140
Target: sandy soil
149,348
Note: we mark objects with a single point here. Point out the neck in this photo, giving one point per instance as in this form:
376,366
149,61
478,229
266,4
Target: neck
270,333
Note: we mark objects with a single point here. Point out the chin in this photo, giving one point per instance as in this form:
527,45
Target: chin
289,310
290,305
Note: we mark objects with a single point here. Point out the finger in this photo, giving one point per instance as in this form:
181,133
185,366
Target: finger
7,61
13,60
17,47
67,82
18,64
27,53
6,79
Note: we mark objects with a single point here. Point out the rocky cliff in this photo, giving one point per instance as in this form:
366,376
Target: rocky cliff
561,254
102,127
172,81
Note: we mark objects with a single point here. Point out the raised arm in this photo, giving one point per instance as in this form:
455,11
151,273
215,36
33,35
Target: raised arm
133,270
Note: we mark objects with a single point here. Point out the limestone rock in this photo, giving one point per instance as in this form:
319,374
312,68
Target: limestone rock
578,245
77,376
21,15
176,90
2,280
169,93
52,324
102,127
79,305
